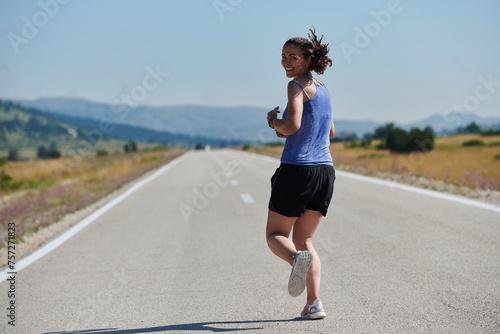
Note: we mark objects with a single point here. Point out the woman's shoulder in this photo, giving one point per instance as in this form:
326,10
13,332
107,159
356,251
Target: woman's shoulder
306,84
304,81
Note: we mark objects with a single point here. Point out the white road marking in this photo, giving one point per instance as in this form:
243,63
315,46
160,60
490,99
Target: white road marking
421,191
41,252
405,187
246,198
235,182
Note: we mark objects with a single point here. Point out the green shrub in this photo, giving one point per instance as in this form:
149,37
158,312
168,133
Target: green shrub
29,184
151,159
473,142
372,155
490,133
101,153
160,147
4,180
365,143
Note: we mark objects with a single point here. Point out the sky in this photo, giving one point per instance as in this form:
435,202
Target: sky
394,60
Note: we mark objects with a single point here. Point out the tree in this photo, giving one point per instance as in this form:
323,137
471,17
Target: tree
427,141
472,128
13,155
13,124
54,154
382,131
42,152
367,140
130,147
33,125
350,137
398,140
53,151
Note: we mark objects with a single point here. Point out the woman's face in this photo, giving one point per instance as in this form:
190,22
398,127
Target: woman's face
293,61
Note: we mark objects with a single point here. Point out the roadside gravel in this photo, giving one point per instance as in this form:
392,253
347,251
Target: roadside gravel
486,196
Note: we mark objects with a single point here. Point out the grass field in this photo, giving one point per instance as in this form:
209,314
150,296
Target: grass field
43,191
475,167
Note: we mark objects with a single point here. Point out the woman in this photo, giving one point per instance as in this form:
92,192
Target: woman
302,186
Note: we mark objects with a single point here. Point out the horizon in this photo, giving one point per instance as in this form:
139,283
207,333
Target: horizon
397,61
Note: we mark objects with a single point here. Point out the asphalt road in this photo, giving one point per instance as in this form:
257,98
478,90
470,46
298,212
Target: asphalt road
186,253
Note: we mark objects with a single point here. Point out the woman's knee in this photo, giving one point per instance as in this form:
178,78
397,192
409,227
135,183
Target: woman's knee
302,243
271,238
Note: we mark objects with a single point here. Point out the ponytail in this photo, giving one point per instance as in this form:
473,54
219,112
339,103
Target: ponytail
313,48
320,60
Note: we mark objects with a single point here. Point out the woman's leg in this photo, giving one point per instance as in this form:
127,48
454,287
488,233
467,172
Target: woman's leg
303,232
277,232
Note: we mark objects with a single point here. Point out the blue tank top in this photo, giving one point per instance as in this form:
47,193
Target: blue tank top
310,145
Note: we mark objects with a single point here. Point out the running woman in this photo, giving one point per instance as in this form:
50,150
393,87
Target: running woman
302,186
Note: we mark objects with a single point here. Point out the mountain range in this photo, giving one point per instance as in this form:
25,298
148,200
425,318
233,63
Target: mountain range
240,124
24,128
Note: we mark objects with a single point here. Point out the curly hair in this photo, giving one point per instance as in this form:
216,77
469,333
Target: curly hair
312,47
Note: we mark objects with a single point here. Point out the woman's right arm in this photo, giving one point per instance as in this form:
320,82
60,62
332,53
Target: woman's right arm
292,122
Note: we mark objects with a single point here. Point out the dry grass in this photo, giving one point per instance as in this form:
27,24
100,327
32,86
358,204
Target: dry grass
43,173
58,187
474,167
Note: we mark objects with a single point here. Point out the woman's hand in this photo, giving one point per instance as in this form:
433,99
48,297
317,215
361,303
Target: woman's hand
273,113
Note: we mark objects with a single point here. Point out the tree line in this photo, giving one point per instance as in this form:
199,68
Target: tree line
401,141
394,139
398,140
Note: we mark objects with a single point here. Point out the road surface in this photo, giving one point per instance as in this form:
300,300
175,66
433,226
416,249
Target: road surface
186,253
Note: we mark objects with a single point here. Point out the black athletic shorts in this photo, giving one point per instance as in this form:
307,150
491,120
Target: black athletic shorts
295,189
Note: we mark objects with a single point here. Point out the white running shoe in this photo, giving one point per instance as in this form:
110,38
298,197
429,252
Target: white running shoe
297,280
313,311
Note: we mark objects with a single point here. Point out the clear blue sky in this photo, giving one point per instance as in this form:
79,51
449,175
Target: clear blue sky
425,58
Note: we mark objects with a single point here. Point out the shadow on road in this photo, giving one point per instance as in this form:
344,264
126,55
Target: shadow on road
200,326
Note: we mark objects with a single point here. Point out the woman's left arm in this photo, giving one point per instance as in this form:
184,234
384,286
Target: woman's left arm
332,130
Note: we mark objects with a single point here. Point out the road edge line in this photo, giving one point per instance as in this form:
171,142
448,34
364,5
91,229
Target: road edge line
65,236
414,189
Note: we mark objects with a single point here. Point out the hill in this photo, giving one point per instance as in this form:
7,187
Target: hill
24,128
137,133
241,123
444,124
246,124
